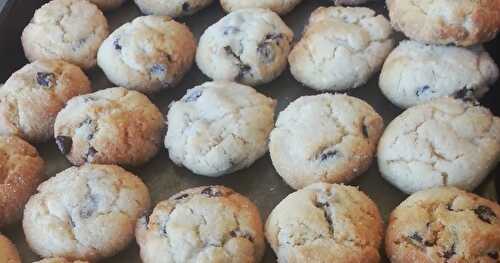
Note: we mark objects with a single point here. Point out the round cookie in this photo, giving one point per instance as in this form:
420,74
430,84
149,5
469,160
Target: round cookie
341,48
149,54
279,6
219,127
325,223
205,224
459,22
59,260
172,8
324,138
21,170
107,5
71,30
444,225
111,126
85,213
32,97
248,46
445,142
415,73
8,251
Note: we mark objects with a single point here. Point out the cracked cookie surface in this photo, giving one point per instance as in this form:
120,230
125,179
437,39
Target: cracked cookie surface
444,225
248,46
415,73
21,170
445,142
459,22
209,224
8,251
324,138
85,213
219,127
71,30
172,8
279,6
149,54
111,126
325,223
59,260
33,95
341,48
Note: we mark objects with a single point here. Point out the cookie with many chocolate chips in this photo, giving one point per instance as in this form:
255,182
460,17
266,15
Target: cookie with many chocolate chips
325,223
205,224
174,8
324,138
111,126
444,225
85,213
33,95
248,46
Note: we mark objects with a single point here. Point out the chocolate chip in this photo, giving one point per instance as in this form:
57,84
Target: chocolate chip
72,222
266,47
181,196
193,95
238,233
422,90
45,79
64,143
116,44
485,214
158,69
231,30
89,207
493,254
365,131
90,154
185,7
209,191
467,95
450,252
89,99
417,237
328,155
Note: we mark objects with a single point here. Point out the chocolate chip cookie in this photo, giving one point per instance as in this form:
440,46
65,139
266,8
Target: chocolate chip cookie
172,8
111,126
205,224
279,6
444,225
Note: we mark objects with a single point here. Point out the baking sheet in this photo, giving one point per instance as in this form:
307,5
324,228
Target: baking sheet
260,182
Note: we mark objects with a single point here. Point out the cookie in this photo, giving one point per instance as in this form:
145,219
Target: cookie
21,170
324,138
444,225
219,127
71,30
149,54
415,73
325,223
278,6
445,142
59,260
174,8
248,46
111,126
459,22
107,5
8,251
32,97
341,48
205,224
85,213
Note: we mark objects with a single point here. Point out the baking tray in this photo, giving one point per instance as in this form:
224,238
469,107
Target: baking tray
260,182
